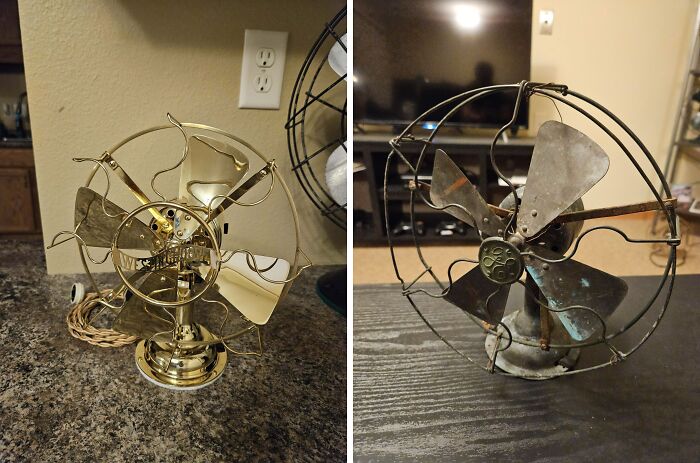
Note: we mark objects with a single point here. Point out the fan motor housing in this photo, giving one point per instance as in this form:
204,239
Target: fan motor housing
500,261
559,236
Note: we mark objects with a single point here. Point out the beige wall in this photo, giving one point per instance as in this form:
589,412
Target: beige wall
630,55
99,71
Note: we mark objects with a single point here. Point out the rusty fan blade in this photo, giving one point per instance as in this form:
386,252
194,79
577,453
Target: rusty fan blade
449,185
565,164
570,283
479,296
97,228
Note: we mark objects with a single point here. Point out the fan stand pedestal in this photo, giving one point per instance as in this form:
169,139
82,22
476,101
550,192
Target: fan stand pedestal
182,368
532,362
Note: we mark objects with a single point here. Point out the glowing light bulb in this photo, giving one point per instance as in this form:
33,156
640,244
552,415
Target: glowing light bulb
467,17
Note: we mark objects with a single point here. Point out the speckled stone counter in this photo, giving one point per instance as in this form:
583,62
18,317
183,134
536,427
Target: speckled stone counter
62,399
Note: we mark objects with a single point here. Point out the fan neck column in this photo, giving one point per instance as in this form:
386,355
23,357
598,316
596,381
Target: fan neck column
528,321
183,313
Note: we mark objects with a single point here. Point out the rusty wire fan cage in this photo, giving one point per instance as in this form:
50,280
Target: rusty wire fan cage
318,156
531,238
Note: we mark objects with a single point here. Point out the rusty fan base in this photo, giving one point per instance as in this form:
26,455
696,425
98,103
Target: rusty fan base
530,362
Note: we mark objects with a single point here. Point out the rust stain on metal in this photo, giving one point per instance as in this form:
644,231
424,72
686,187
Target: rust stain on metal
456,185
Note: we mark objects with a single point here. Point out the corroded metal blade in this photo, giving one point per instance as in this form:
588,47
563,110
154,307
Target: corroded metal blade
97,228
565,164
570,283
449,185
134,319
250,294
479,296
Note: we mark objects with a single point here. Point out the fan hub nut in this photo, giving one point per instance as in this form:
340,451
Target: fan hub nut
500,261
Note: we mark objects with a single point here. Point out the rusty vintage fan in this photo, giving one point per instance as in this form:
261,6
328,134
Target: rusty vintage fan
525,239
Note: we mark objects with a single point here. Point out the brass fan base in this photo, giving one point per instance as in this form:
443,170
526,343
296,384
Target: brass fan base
531,362
185,370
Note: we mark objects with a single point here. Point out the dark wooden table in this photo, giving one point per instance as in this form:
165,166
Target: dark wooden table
417,400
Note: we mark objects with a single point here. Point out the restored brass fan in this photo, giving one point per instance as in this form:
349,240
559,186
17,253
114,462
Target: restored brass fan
205,248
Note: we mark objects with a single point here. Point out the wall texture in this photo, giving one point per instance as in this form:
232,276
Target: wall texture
99,71
630,55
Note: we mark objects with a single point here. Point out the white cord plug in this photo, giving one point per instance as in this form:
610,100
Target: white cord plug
77,293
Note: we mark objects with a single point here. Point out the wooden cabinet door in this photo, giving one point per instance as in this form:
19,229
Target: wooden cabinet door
10,38
16,207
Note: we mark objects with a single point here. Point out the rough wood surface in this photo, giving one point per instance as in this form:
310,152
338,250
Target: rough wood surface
416,400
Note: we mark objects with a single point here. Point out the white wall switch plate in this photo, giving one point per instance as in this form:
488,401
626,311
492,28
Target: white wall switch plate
262,72
546,22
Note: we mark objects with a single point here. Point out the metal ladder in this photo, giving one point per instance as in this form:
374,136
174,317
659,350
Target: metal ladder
680,125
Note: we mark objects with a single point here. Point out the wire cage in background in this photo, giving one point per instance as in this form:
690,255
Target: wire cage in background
323,75
560,293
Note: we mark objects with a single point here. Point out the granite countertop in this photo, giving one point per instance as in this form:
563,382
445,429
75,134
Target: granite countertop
62,399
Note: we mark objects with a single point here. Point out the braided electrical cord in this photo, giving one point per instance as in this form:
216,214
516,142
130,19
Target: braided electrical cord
78,321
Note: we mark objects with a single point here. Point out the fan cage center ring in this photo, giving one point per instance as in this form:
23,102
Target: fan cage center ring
211,274
500,261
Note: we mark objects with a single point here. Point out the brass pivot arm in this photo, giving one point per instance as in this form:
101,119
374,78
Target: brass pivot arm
236,194
138,192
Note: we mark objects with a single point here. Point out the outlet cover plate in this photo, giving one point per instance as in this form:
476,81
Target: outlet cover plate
546,22
249,95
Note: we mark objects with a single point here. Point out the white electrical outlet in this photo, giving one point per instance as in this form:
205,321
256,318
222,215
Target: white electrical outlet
265,57
263,83
546,22
262,72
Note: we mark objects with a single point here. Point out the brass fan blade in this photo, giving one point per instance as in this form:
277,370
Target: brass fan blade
251,295
570,283
471,292
449,185
97,228
565,164
266,229
211,168
133,319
